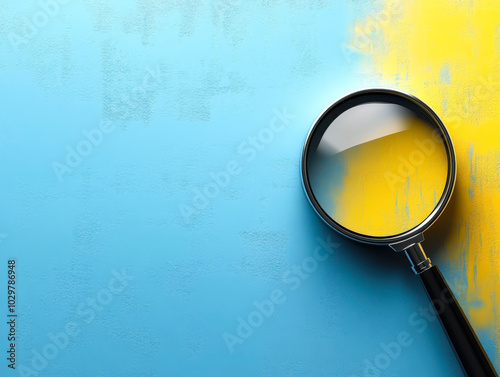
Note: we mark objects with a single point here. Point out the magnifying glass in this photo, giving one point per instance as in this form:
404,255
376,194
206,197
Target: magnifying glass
379,167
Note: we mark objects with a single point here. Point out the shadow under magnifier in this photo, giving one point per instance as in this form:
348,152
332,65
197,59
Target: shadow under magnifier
358,257
360,178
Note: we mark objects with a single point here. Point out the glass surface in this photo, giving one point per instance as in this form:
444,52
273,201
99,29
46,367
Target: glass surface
378,169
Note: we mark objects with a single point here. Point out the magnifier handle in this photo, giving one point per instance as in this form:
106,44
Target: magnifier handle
474,360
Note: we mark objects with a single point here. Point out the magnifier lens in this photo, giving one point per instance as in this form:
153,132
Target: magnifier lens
377,169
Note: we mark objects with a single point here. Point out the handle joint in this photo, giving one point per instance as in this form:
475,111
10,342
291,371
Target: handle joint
419,261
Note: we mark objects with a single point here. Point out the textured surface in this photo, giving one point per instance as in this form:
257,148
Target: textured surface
149,152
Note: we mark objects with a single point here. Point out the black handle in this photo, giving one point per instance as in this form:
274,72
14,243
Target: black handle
463,338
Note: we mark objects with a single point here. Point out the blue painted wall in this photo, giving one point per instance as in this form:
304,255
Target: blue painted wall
149,153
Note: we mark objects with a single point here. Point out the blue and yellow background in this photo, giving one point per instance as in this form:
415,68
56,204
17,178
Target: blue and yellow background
151,196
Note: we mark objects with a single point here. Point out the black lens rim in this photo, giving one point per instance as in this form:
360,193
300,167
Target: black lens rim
379,95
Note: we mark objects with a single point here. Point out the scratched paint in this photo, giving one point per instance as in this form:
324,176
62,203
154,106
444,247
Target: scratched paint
446,52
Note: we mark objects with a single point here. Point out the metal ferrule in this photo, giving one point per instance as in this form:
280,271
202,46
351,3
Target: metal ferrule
418,259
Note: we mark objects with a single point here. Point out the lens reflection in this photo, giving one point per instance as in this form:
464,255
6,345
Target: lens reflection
378,169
